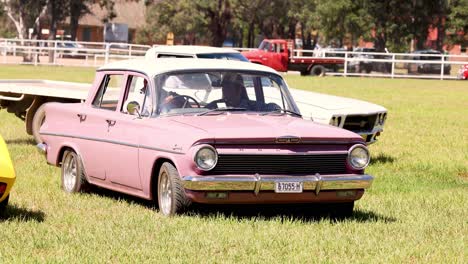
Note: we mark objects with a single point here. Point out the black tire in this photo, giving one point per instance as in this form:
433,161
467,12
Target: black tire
341,210
4,204
171,195
305,73
318,70
38,120
71,164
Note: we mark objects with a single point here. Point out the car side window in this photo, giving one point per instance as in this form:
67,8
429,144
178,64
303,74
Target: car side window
162,55
109,92
138,91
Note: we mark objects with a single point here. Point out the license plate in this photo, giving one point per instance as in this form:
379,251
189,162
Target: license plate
288,187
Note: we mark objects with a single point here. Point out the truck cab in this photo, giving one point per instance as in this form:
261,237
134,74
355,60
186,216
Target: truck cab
273,53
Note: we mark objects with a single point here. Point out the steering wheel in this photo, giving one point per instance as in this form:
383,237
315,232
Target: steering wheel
186,99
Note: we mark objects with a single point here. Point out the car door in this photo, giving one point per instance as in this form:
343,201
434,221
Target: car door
124,131
279,59
94,125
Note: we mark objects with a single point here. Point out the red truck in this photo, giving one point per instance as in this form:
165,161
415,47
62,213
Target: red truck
280,55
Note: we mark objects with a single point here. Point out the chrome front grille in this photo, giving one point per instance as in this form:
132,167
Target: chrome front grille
280,164
360,123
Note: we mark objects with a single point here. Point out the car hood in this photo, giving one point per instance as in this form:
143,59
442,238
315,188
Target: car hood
336,104
252,54
254,127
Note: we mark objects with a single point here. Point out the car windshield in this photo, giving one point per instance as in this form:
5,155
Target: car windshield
264,45
223,56
218,92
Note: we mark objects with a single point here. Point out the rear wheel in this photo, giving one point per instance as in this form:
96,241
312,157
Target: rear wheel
171,194
318,70
73,176
38,120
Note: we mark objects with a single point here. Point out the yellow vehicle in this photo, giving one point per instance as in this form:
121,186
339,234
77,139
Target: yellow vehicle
7,175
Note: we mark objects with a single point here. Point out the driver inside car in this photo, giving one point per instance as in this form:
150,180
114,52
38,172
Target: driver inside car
235,95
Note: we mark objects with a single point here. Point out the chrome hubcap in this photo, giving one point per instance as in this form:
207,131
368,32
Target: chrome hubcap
69,173
165,194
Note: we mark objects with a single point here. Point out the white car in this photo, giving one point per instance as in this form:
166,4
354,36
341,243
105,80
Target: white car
364,118
201,52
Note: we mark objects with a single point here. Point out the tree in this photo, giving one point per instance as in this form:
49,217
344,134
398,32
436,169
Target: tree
218,15
24,14
457,25
177,17
78,8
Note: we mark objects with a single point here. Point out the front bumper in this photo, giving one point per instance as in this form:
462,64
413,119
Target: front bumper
257,183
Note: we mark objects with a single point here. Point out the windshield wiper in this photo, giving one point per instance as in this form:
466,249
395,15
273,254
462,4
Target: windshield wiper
221,110
282,111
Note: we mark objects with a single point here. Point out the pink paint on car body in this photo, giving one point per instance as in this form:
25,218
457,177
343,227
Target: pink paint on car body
203,131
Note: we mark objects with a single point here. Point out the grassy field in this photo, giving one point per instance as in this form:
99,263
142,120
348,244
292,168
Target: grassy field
415,212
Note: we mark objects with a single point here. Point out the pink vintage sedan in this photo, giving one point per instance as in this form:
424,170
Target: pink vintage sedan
179,131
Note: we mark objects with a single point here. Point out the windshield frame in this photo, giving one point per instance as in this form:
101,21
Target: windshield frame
284,89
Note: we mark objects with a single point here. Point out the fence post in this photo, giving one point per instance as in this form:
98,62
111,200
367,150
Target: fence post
345,64
106,58
6,51
55,52
393,66
442,64
34,54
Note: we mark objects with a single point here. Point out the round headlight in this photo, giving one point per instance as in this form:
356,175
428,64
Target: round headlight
206,158
358,157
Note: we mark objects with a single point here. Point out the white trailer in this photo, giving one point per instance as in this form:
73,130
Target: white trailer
25,99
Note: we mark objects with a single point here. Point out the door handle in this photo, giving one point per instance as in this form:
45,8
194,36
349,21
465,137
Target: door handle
82,117
110,122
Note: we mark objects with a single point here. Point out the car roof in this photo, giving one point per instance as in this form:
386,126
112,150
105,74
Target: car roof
427,51
187,50
163,65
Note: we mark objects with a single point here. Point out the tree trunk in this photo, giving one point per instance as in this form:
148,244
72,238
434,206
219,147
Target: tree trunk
75,14
52,28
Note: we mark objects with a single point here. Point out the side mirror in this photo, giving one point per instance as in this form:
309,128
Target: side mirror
133,108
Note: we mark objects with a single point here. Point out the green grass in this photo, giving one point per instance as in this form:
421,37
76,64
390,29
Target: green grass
415,212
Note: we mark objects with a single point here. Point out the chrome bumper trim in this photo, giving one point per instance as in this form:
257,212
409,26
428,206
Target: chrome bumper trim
42,147
257,183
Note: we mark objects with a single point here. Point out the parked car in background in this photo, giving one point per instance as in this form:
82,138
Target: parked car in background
201,52
71,49
363,118
182,130
463,72
424,64
360,62
7,175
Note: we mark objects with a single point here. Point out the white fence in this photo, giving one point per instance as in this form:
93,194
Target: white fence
73,53
392,65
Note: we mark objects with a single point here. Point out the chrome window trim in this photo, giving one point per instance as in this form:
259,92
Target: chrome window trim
113,142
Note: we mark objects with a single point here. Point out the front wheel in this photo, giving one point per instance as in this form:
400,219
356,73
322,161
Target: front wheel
73,176
3,204
171,194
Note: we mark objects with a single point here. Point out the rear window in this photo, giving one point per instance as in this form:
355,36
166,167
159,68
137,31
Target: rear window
223,56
